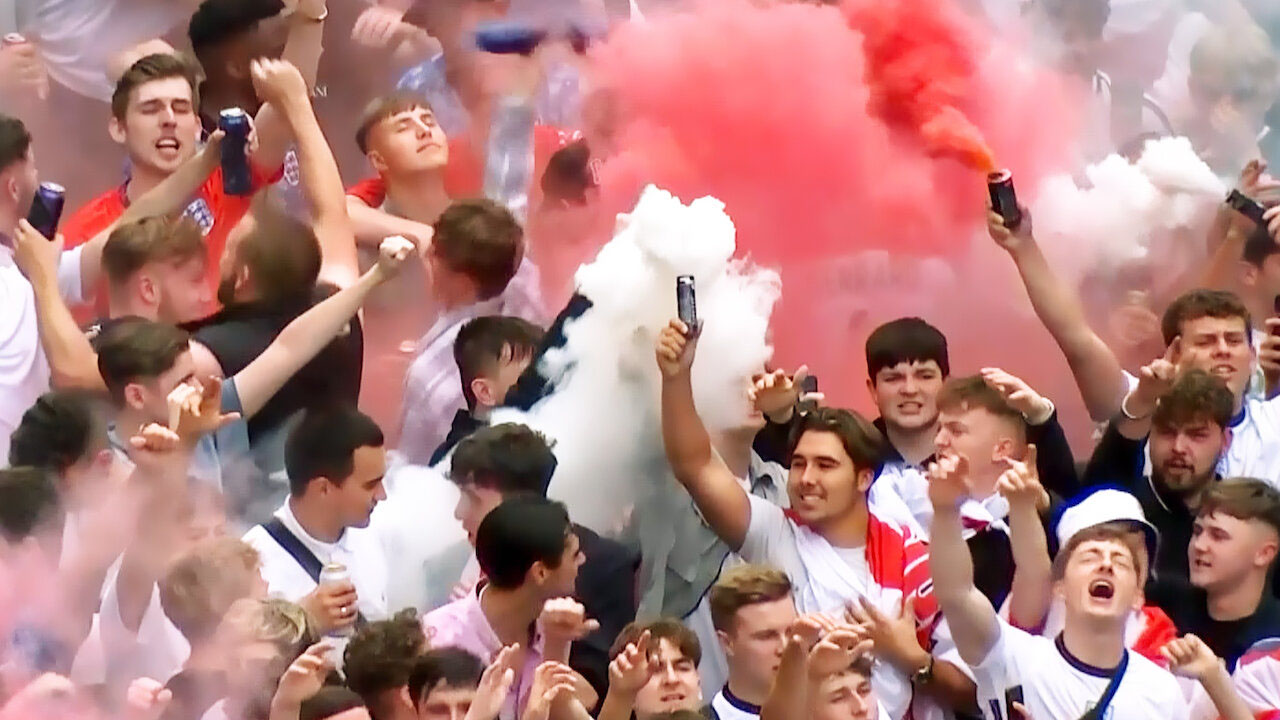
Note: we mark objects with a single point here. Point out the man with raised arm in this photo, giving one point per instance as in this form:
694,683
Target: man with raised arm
836,550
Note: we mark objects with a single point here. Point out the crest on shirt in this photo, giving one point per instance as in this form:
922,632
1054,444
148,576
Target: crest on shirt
199,211
292,173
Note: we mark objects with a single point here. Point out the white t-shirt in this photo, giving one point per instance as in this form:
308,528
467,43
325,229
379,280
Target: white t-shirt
24,369
827,578
1057,686
358,549
77,38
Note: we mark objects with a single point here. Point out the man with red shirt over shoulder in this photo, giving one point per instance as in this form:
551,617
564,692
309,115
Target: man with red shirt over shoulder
154,116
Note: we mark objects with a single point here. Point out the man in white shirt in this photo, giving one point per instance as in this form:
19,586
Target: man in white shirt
1098,575
752,609
24,373
475,252
335,460
834,547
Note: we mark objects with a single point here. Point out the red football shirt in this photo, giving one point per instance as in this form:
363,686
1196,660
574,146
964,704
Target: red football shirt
212,209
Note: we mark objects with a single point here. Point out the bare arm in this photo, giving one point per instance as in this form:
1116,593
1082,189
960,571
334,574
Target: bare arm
1029,595
281,85
1095,367
302,49
371,225
167,198
973,621
72,361
309,333
788,698
716,492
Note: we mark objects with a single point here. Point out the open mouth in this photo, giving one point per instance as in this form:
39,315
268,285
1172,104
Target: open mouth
1222,370
1102,590
910,407
168,145
672,698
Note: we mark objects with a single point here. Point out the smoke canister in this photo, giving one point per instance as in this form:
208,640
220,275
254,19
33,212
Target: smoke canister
506,37
335,573
1003,198
46,208
686,302
236,176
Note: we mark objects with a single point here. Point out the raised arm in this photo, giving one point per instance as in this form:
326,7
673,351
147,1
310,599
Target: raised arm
309,333
302,49
1154,380
167,198
281,84
713,487
72,362
1029,595
1095,367
974,625
1188,656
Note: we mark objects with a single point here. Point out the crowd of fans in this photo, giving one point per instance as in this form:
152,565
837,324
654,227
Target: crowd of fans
217,408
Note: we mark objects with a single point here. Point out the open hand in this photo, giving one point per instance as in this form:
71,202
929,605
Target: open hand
495,685
197,407
1035,407
894,636
305,676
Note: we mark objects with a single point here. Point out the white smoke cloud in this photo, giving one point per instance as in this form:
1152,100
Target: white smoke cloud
1123,207
603,414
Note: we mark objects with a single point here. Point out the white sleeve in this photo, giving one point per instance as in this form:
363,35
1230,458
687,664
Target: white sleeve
70,285
766,530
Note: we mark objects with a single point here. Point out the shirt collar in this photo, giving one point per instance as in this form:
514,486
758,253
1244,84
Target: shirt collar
322,550
738,702
891,454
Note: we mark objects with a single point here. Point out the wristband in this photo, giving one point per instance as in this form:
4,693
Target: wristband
1124,410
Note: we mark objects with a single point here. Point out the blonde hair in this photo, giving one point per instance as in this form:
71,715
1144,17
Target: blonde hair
742,586
201,585
1235,59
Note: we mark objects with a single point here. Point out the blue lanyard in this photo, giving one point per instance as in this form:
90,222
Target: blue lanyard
1099,711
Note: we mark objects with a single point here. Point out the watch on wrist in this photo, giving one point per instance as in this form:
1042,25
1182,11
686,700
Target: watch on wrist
924,675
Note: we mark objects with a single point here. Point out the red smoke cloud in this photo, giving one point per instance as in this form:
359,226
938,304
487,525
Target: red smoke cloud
828,132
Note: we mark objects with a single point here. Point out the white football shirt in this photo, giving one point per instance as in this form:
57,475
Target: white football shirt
1058,686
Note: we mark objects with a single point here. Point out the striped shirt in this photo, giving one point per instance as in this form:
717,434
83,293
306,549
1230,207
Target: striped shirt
433,384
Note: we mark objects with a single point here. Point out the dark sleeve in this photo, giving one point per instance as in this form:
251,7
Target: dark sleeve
606,588
773,439
533,385
1054,461
1116,461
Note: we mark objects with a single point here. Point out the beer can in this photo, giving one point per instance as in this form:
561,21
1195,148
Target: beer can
334,573
686,302
46,208
236,176
1003,198
12,39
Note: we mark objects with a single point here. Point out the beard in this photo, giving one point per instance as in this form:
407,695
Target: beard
226,291
1186,484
